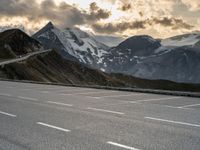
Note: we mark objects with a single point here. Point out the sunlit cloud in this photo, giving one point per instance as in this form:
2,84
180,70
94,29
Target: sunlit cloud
117,17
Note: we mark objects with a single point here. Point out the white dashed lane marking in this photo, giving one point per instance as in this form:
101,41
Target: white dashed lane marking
58,103
104,110
7,114
27,98
171,121
121,146
52,126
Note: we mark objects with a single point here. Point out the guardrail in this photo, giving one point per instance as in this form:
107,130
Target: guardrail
128,89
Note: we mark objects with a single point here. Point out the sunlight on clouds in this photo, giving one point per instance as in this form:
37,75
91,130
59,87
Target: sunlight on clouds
194,5
77,13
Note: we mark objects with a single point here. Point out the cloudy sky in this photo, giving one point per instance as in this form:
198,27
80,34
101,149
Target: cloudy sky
158,18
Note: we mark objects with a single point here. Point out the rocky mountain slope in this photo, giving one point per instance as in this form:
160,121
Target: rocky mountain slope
52,67
14,43
175,59
72,44
182,40
47,67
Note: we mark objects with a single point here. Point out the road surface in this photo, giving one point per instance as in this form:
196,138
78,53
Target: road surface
23,58
48,117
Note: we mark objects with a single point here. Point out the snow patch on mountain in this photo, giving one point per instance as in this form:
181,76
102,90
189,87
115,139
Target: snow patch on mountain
110,41
73,42
182,40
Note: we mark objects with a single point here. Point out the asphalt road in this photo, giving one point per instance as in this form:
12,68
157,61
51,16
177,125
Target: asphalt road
47,117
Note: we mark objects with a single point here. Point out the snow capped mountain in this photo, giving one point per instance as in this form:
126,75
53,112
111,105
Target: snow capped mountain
73,43
182,40
122,58
111,41
145,57
176,58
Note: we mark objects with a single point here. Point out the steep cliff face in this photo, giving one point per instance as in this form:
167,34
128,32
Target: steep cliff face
73,44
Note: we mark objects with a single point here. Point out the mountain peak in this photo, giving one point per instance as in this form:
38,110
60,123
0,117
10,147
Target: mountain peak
140,42
49,25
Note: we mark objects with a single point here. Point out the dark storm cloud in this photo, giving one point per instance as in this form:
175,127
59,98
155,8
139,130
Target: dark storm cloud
174,23
62,14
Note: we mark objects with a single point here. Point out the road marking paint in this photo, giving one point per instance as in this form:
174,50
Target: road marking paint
122,146
75,90
58,103
27,98
97,97
7,114
156,99
54,127
96,92
186,106
4,94
104,110
171,121
170,106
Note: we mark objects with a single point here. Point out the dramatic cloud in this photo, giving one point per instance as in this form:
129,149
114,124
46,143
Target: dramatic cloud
118,27
126,7
96,13
173,23
123,17
194,5
62,14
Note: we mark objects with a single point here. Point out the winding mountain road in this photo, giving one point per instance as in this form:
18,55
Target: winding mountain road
24,57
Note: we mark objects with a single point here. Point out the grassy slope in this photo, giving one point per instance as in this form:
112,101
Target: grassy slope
51,67
156,84
15,42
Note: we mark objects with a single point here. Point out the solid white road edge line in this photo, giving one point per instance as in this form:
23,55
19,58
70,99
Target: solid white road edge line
115,96
7,114
104,110
58,103
175,122
54,127
96,92
122,146
186,106
156,99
